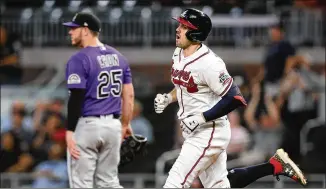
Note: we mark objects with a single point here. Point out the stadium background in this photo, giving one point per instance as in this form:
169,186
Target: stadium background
33,94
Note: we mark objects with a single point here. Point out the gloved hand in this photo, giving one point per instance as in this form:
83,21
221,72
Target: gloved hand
161,101
131,147
191,123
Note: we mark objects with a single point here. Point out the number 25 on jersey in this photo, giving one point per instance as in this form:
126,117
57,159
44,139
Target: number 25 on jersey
109,83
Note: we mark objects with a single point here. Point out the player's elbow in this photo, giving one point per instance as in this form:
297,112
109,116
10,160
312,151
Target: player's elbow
241,101
128,92
234,93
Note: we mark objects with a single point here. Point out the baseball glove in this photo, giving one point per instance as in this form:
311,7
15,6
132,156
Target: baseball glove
131,147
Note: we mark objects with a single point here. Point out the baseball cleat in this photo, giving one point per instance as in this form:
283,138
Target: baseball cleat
283,165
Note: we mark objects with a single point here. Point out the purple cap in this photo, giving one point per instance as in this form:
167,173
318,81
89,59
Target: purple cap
71,24
84,19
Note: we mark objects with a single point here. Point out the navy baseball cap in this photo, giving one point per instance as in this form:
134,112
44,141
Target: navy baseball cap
84,19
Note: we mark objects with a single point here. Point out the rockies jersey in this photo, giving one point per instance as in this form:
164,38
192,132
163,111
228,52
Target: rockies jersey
101,71
200,79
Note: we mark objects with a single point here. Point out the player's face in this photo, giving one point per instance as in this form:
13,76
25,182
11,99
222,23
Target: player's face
76,36
181,40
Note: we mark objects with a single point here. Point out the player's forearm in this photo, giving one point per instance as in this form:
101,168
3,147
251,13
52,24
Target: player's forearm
173,94
232,100
127,104
127,109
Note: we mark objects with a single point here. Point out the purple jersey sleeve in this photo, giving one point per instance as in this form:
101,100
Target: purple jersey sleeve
76,73
127,75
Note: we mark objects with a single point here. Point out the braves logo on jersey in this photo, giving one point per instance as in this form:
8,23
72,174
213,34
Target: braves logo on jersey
185,79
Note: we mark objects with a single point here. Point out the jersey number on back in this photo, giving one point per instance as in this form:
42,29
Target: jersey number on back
110,84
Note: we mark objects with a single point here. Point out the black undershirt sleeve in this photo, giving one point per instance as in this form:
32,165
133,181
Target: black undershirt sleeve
232,100
75,105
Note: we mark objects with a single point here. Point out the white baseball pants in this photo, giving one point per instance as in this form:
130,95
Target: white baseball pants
203,154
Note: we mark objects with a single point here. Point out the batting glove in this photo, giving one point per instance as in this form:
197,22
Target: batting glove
161,101
191,123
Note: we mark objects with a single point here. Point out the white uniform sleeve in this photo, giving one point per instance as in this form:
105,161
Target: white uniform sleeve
217,78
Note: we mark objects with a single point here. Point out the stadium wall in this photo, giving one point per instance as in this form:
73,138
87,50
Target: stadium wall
59,56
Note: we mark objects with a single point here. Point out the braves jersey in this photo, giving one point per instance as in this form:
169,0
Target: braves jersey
200,79
101,71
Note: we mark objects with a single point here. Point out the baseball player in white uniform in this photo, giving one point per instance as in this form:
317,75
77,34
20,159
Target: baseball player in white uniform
206,94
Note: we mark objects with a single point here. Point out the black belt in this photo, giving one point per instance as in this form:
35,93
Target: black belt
115,116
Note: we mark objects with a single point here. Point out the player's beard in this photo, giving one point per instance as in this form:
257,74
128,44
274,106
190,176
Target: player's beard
77,41
183,44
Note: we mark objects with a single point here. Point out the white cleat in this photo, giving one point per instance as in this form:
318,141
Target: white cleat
283,165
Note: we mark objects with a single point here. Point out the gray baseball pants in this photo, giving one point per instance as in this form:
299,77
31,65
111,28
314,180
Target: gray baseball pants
98,140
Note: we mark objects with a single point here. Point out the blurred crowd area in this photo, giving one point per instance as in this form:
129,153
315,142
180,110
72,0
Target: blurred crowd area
219,6
146,23
33,141
285,95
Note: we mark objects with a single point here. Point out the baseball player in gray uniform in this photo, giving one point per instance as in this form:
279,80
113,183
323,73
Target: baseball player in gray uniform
100,85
